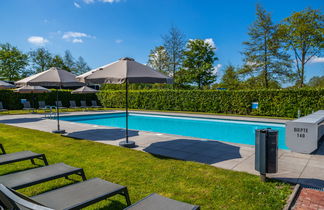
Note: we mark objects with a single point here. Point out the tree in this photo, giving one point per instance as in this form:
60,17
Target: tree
40,59
12,62
264,56
81,66
69,62
316,82
174,44
58,62
198,63
303,33
257,83
159,60
230,79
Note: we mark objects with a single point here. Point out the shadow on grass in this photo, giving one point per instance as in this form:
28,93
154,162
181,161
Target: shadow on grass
113,205
305,182
102,134
208,152
20,120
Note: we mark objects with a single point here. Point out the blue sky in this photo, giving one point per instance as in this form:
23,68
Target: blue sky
103,31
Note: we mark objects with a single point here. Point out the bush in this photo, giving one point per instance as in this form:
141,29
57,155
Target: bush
11,100
279,103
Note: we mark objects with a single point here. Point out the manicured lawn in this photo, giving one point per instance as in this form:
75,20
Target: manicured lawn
143,173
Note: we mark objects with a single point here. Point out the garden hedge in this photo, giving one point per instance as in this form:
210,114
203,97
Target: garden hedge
11,100
280,103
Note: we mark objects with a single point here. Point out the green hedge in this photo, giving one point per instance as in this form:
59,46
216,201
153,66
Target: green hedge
11,100
280,103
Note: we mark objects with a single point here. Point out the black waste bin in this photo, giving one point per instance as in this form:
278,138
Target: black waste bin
266,151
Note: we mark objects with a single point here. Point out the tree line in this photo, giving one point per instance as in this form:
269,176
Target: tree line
275,53
15,64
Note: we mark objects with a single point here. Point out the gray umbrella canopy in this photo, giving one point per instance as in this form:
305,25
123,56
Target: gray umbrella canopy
32,89
84,90
126,69
53,77
5,85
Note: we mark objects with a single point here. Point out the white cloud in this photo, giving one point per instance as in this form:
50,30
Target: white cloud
75,37
37,40
118,41
317,59
68,35
211,42
77,41
77,5
217,68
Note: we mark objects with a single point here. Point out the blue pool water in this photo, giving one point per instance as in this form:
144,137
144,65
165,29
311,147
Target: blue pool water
234,131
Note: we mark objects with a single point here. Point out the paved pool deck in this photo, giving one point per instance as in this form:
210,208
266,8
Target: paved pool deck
293,167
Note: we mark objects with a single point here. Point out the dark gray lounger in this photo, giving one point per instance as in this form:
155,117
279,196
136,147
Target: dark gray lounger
75,196
158,202
94,104
84,104
21,156
38,175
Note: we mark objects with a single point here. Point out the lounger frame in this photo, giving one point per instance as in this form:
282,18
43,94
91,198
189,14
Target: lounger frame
31,158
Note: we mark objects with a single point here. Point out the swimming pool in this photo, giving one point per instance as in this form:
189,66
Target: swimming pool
234,131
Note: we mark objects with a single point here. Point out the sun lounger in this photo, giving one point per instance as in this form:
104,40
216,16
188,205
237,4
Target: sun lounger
27,106
83,104
38,175
21,156
42,105
94,104
1,107
158,202
75,196
73,105
59,104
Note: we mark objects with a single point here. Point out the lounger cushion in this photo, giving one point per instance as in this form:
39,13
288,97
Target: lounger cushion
158,202
17,156
78,195
33,176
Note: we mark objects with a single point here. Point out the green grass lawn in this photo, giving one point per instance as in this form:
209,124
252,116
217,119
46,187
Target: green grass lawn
143,173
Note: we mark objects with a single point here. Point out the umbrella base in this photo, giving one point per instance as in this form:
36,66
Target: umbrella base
129,144
59,131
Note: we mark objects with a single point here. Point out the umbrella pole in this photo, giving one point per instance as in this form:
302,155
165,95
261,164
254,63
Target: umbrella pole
126,111
129,144
57,112
33,97
58,115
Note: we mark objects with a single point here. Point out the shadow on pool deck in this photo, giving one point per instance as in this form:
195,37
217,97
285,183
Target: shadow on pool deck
208,152
112,134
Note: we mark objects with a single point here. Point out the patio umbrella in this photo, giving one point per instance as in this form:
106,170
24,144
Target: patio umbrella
5,85
32,90
126,70
84,90
56,78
